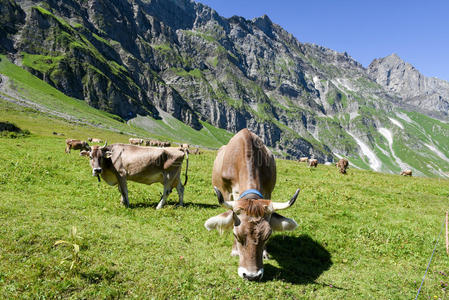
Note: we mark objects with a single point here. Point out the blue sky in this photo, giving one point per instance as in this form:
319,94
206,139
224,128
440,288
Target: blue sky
417,31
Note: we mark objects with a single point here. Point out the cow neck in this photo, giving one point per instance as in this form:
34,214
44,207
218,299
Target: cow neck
251,194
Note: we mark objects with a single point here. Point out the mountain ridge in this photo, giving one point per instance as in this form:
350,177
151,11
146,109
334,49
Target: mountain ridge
135,58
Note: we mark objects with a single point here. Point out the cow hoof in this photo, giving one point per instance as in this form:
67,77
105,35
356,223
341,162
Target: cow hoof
159,207
179,205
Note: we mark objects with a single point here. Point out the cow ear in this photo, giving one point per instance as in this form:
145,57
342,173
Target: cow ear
84,153
220,222
108,154
280,223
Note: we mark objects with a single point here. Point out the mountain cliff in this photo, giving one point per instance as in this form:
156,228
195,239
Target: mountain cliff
143,60
417,92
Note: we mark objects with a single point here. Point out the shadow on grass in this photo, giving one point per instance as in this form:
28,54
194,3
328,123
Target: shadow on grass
174,204
302,260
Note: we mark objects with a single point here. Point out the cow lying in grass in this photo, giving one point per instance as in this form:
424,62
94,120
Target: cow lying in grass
118,163
406,173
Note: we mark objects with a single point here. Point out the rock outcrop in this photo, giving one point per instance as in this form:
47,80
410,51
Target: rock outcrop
135,57
417,92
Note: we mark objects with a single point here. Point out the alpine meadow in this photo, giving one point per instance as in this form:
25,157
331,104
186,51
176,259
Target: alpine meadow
176,71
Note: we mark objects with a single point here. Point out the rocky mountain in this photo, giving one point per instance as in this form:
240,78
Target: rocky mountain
148,59
416,92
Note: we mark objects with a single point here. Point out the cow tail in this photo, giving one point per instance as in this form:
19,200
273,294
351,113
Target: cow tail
186,151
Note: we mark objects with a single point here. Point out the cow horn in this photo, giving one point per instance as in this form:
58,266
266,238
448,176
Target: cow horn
221,201
105,144
284,205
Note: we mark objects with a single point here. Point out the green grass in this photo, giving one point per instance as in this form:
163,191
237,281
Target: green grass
31,87
174,129
366,235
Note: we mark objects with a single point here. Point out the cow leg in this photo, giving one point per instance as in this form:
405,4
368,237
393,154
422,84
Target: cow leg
123,188
265,253
165,192
180,190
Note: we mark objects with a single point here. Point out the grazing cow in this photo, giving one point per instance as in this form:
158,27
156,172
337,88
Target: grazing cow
245,171
342,164
75,145
165,144
407,173
134,141
313,162
197,151
118,163
94,140
303,159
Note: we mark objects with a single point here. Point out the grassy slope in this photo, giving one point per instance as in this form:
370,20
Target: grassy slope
31,87
364,235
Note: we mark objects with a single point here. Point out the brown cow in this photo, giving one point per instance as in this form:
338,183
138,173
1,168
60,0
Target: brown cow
94,140
245,172
134,141
407,173
75,145
342,164
118,163
313,162
303,159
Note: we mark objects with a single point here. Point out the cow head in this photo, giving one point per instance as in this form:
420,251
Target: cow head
97,154
252,221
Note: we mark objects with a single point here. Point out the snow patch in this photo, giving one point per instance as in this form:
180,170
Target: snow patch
404,117
374,161
389,136
437,152
396,122
353,115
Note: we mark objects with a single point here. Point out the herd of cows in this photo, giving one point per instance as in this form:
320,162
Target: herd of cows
243,177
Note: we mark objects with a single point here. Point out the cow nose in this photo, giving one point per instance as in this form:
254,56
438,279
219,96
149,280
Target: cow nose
252,276
96,171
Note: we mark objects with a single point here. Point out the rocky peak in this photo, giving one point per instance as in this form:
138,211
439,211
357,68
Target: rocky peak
425,94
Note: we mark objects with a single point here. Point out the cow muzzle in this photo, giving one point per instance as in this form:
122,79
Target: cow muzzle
251,276
96,171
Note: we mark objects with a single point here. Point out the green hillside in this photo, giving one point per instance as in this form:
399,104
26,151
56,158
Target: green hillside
364,235
20,86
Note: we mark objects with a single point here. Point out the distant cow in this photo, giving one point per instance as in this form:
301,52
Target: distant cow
153,143
185,146
313,162
94,140
197,151
303,159
75,145
165,144
407,172
245,172
118,163
342,164
134,141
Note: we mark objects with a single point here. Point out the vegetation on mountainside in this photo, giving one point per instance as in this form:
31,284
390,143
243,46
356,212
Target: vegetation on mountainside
363,235
24,85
